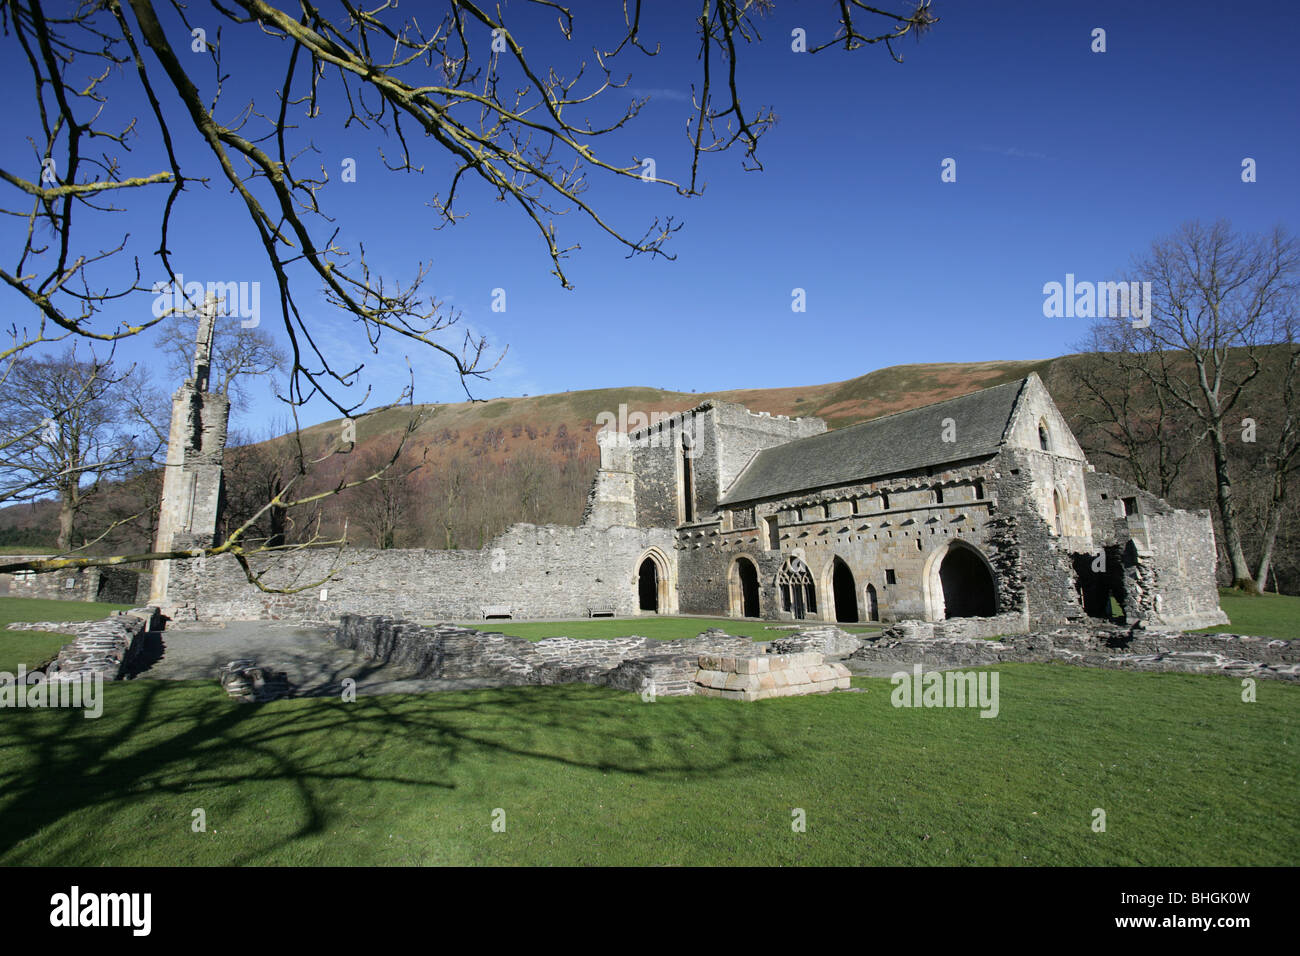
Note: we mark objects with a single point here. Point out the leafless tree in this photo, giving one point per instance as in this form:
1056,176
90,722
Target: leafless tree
452,84
62,432
1223,308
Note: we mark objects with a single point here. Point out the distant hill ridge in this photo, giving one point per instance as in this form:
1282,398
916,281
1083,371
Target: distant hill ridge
882,392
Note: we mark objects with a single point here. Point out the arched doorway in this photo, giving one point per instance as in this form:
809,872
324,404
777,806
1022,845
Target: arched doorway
655,583
744,588
959,583
648,585
844,591
872,602
798,596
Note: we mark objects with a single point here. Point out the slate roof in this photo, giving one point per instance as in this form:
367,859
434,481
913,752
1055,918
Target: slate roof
900,442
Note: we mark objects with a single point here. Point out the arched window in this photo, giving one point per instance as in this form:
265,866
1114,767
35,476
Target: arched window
688,481
1044,438
1056,511
798,596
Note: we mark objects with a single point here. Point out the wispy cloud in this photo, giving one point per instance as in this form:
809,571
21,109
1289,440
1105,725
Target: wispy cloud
661,93
1015,151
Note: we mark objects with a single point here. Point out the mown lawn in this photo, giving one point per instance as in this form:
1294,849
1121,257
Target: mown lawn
1264,615
656,628
32,648
1186,773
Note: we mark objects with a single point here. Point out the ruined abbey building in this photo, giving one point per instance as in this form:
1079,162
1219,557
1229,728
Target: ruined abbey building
982,507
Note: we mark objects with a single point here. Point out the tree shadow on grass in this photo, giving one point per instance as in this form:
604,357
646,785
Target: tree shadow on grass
174,738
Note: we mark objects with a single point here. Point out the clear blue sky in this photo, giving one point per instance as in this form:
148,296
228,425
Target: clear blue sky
1068,161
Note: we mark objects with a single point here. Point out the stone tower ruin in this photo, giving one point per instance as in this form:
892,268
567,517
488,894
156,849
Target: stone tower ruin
192,478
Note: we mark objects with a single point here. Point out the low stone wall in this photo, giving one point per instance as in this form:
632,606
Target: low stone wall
828,641
1093,646
458,653
983,627
110,647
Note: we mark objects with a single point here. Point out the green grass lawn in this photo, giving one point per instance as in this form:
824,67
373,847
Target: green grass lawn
656,628
32,648
1264,615
1186,772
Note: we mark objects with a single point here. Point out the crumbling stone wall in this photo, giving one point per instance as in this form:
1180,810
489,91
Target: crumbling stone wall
530,571
1167,555
192,496
1037,561
111,647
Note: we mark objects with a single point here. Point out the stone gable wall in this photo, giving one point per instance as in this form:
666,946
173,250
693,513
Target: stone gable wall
1028,547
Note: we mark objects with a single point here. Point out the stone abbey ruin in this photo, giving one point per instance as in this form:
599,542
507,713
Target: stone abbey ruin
982,508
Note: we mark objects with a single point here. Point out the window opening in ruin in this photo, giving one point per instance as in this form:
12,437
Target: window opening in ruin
884,500
1130,506
845,592
1044,440
688,482
938,496
1056,508
889,576
773,534
979,490
873,603
798,596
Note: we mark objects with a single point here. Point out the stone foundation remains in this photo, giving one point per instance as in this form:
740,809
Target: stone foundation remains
110,648
761,676
1124,648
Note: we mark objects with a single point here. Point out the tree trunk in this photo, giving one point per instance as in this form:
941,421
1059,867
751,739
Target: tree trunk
67,515
1242,578
1272,525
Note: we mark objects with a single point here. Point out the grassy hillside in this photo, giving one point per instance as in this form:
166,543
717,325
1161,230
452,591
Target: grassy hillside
475,468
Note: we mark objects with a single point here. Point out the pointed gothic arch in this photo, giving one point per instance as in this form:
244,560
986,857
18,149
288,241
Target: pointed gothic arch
742,588
795,585
654,584
844,593
959,581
